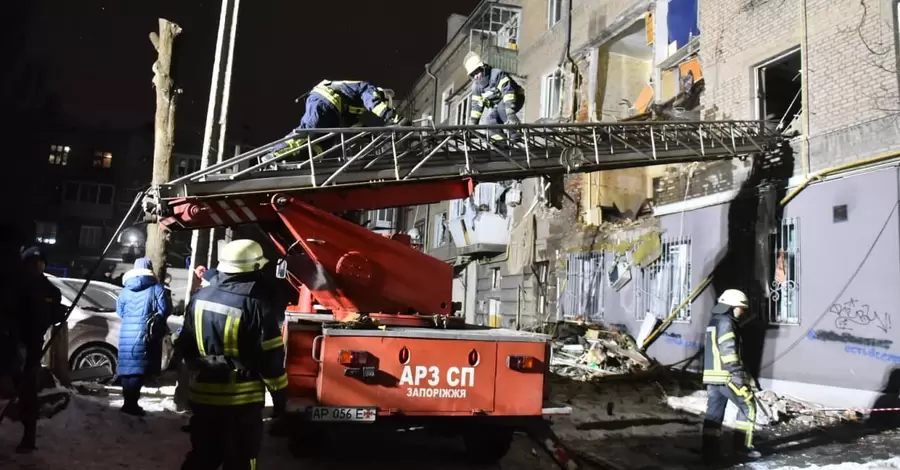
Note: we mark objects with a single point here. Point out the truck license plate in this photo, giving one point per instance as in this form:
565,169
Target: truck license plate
336,413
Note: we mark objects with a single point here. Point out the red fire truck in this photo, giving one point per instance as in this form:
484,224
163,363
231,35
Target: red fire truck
388,348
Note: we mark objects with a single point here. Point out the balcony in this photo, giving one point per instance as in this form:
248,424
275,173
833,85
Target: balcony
494,35
480,224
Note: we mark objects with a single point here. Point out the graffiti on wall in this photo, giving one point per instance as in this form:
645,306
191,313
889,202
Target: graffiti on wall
849,339
677,340
854,314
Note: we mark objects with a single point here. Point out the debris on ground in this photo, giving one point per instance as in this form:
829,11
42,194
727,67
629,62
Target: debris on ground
774,409
587,352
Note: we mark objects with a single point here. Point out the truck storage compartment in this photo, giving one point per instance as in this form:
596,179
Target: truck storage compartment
420,371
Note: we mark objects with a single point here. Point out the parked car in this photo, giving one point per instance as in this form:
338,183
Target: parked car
94,325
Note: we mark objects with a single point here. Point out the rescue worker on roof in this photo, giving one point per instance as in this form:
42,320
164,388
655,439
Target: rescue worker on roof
726,378
337,104
494,89
232,342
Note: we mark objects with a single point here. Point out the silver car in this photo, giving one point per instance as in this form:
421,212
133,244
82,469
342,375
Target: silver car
94,325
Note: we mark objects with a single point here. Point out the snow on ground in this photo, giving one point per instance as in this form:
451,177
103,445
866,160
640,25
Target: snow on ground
888,464
92,433
625,425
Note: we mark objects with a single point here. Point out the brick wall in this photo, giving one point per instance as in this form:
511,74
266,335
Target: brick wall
847,82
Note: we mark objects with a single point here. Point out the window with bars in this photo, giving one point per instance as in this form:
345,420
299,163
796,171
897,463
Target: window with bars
580,289
784,290
666,283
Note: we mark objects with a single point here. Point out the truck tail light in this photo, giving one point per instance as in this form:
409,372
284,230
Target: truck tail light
353,358
522,363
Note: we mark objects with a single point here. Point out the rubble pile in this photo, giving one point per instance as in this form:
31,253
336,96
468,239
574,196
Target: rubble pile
784,409
583,352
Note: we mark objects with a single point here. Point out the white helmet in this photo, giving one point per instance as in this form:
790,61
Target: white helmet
733,298
241,256
472,62
388,96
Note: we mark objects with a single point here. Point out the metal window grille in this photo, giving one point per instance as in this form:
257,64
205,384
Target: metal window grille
580,291
663,286
784,290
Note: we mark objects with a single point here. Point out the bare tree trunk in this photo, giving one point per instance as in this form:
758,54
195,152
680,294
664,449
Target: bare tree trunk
164,132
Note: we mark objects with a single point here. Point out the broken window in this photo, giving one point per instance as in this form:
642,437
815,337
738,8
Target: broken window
662,286
541,271
441,231
778,92
494,313
580,291
784,292
495,278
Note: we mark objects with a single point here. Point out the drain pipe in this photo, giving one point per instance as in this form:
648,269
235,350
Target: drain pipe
434,104
567,57
434,107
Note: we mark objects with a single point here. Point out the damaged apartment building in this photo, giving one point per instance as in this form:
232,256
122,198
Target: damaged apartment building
618,246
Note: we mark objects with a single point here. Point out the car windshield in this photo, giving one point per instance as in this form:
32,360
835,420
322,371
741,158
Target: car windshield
95,296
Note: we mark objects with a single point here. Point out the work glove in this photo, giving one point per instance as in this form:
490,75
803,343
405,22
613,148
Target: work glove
473,122
279,403
396,120
737,380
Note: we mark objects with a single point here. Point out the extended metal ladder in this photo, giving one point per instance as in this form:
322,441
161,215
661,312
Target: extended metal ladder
393,155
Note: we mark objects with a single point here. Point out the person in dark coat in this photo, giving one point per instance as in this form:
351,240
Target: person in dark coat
144,305
39,306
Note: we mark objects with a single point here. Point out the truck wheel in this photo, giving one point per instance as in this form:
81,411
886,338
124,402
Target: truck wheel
487,446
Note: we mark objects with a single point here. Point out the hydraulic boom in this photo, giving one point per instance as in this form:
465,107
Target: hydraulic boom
351,269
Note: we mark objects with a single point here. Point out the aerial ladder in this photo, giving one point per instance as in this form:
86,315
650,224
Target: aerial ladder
413,359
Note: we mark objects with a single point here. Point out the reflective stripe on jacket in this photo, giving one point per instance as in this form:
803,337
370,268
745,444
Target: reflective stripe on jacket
355,97
499,87
237,350
721,351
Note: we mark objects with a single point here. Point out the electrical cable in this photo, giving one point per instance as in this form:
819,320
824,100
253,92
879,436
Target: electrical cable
839,294
62,324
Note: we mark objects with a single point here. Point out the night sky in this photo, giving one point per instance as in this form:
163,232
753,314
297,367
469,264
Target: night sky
98,55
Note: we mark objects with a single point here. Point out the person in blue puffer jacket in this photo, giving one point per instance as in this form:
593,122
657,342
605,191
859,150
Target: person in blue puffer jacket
144,305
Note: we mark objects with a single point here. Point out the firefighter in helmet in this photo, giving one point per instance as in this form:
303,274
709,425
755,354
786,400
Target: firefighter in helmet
726,378
495,89
338,103
232,343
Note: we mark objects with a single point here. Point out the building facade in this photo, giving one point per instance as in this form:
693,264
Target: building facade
617,247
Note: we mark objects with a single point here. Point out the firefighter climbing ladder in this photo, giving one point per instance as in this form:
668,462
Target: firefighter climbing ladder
392,155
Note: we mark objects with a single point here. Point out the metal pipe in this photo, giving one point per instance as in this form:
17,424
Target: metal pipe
434,104
567,56
837,169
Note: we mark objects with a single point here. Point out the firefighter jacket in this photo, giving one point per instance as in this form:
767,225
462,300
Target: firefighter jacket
232,342
496,86
355,97
722,348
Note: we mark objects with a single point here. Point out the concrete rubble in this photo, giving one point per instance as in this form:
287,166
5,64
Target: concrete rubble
585,352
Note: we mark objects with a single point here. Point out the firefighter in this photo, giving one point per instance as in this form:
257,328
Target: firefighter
726,378
338,104
495,89
232,343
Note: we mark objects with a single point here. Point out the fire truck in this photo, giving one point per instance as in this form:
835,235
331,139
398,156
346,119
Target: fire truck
389,348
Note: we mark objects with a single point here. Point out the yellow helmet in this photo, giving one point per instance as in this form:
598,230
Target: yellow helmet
241,256
733,298
472,62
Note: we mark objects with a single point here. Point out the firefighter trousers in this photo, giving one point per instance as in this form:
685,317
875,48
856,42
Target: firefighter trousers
226,436
717,400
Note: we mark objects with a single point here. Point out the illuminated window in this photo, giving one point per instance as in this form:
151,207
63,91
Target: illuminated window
102,160
59,155
45,232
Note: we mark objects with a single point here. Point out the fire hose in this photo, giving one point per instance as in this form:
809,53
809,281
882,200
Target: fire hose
62,324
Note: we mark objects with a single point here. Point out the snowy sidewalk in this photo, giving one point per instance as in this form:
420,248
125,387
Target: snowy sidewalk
628,424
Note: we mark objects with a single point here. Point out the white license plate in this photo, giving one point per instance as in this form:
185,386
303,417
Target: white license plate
339,414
